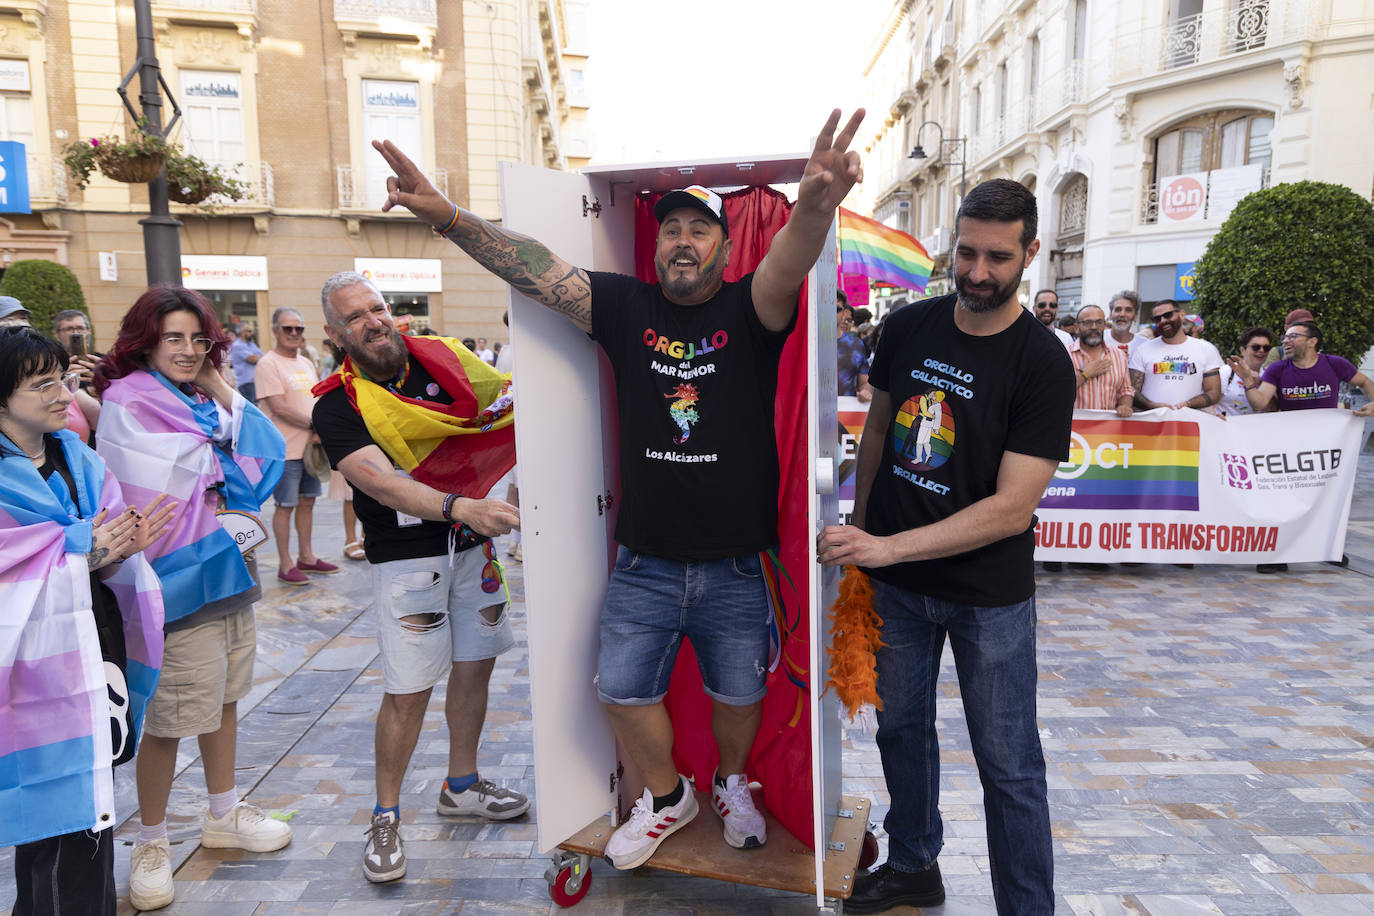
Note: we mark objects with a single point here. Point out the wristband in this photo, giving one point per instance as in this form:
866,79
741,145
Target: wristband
451,223
448,506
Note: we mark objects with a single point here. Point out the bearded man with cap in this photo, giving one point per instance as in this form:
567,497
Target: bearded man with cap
696,362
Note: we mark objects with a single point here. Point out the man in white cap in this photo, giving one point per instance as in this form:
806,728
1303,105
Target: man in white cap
696,363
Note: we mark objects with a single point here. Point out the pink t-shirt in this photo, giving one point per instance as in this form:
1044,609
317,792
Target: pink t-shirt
291,379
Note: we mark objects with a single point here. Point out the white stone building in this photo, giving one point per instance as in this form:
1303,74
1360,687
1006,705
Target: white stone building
1096,105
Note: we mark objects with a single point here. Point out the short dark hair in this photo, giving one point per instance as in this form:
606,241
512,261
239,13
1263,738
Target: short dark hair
1001,200
841,297
1310,326
1251,333
1068,321
1169,302
25,353
1041,292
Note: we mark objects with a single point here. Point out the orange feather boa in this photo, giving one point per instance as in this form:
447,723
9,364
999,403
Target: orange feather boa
855,638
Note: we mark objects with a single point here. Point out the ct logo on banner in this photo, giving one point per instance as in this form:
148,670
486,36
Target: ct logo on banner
14,178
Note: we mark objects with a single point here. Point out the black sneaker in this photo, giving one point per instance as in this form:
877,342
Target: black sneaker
883,888
1054,565
1271,568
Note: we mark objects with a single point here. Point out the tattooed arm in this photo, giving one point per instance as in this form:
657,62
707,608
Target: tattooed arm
524,263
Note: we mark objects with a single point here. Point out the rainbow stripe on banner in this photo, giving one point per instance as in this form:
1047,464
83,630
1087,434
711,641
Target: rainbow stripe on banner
869,248
1116,465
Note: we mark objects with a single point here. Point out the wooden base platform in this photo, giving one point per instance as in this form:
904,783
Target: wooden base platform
783,863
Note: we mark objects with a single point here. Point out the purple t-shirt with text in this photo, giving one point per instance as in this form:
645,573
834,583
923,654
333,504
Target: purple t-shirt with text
1304,389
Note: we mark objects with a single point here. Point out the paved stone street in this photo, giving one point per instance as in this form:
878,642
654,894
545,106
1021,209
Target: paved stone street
1208,733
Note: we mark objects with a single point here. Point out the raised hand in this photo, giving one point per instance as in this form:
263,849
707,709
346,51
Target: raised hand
833,168
410,188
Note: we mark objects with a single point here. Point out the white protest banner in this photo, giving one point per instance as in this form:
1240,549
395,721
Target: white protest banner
1226,187
1183,486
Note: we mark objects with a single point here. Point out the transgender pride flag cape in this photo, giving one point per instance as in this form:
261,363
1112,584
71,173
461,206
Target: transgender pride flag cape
157,438
55,707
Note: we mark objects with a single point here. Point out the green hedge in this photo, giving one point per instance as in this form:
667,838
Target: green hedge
45,288
1303,245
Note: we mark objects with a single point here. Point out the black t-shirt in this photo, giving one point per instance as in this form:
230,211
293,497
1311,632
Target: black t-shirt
387,534
694,389
958,403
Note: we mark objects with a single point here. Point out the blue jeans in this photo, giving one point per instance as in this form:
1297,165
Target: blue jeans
722,606
994,654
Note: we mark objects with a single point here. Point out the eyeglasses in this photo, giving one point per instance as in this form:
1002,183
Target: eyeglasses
1099,323
1260,348
51,391
291,329
1296,336
179,342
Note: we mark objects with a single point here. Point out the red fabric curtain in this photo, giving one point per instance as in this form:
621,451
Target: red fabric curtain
781,756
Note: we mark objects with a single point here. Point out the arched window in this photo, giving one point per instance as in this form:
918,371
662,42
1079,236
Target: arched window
1215,140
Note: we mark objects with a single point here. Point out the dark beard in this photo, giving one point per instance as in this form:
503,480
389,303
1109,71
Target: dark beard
988,302
384,367
687,289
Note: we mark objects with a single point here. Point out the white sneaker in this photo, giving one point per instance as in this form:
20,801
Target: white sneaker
483,797
636,840
744,826
150,875
244,827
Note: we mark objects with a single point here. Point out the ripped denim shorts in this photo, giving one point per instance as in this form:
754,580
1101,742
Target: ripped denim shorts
430,615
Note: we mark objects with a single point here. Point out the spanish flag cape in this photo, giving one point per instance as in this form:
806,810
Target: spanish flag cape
464,447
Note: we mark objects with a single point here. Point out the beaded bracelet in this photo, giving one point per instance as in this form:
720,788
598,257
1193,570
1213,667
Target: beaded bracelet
451,223
448,506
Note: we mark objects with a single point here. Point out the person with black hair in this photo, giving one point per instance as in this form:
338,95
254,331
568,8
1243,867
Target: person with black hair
946,533
72,706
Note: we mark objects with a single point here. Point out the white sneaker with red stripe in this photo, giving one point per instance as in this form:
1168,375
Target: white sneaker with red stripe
636,840
744,826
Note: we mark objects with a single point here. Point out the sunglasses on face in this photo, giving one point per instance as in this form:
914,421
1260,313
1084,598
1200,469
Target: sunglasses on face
1260,348
1163,315
291,329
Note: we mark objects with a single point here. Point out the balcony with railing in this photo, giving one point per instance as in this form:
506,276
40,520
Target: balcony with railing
1149,201
47,181
1065,88
419,18
1215,34
1002,135
365,189
241,14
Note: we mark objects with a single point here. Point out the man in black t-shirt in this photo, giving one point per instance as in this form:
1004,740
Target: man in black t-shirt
437,614
695,362
946,533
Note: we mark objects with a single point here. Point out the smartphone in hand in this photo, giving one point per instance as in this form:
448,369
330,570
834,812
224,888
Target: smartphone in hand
78,345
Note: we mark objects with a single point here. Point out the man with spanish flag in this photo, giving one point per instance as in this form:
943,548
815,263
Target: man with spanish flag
696,365
413,423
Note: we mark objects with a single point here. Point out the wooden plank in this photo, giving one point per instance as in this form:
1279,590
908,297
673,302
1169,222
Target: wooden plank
783,863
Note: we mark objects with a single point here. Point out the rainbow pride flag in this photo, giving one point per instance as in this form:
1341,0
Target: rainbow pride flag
1116,465
869,248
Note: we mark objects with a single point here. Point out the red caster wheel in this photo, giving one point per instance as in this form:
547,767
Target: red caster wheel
570,885
869,854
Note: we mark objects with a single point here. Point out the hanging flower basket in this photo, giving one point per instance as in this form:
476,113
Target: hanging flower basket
134,161
191,180
191,194
136,168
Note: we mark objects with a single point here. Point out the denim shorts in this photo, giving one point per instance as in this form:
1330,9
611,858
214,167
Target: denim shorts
722,606
446,622
295,483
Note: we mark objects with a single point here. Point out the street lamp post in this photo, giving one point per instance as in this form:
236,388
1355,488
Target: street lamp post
161,241
918,152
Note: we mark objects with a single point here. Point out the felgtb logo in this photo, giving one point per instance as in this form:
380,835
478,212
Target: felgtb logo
1236,470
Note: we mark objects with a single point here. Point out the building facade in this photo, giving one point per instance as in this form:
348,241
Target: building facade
1137,126
288,97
